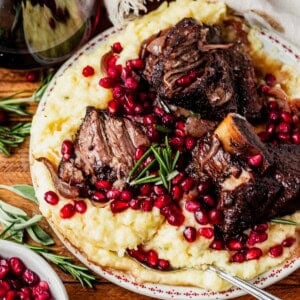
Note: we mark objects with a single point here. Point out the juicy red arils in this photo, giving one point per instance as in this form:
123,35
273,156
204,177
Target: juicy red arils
159,190
175,219
80,206
217,245
162,201
273,105
253,253
192,206
117,47
260,227
99,196
276,251
255,160
177,192
190,142
284,137
184,80
137,64
103,184
30,278
135,204
190,234
238,257
32,76
257,237
118,92
207,232
178,179
88,71
201,217
152,258
149,120
139,152
286,117
234,245
4,271
16,265
51,197
131,83
284,127
67,148
204,187
118,206
168,119
271,128
274,115
114,72
145,189
288,242
107,82
163,264
67,211
147,204
158,111
113,194
270,79
187,184
126,195
209,200
296,138
215,216
152,134
180,132
113,107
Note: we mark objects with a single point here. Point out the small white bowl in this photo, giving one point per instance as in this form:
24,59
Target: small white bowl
37,264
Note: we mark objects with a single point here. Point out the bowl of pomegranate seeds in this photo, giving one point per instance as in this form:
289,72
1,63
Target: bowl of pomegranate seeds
25,275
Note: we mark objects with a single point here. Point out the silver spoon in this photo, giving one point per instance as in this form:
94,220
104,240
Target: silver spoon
242,284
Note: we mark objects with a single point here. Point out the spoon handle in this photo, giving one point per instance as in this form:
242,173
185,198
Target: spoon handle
244,285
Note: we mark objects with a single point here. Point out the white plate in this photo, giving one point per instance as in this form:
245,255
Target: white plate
274,45
37,264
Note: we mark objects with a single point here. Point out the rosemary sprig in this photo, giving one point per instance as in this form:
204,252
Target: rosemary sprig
166,161
285,222
11,137
16,105
80,273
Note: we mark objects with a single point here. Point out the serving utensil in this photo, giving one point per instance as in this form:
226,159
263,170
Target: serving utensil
236,281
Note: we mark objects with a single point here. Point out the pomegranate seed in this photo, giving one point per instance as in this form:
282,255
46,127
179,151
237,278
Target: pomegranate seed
296,138
126,73
168,119
138,254
217,245
149,120
175,219
152,258
147,204
4,288
190,234
26,293
30,278
139,152
118,206
180,132
51,197
187,184
274,115
135,204
271,128
284,127
264,136
143,96
190,143
113,107
257,237
126,195
145,189
158,111
276,251
296,120
99,196
148,160
201,217
284,137
184,80
255,160
273,105
159,190
163,264
67,149
193,74
131,83
11,295
113,194
215,216
4,271
253,253
112,61
178,179
88,71
117,47
103,185
288,242
137,64
152,134
118,92
204,187
32,76
80,206
67,211
107,82
286,117
162,201
270,79
207,232
139,109
234,245
261,227
177,192
209,200
238,257
192,206
114,72
16,265
264,89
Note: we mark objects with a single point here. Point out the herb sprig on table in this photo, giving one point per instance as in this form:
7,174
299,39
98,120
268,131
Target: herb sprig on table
13,135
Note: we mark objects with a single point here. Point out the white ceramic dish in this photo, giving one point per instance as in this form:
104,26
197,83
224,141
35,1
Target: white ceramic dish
286,53
37,264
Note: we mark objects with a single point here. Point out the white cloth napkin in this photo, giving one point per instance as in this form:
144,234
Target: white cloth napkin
283,16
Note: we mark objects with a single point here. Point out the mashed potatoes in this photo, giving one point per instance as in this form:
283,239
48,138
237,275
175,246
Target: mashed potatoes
102,236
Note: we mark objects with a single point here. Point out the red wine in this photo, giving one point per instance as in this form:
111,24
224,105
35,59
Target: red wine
37,33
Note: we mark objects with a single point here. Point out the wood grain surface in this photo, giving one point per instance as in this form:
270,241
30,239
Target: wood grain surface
15,170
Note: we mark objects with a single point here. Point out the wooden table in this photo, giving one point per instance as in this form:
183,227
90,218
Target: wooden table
15,170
